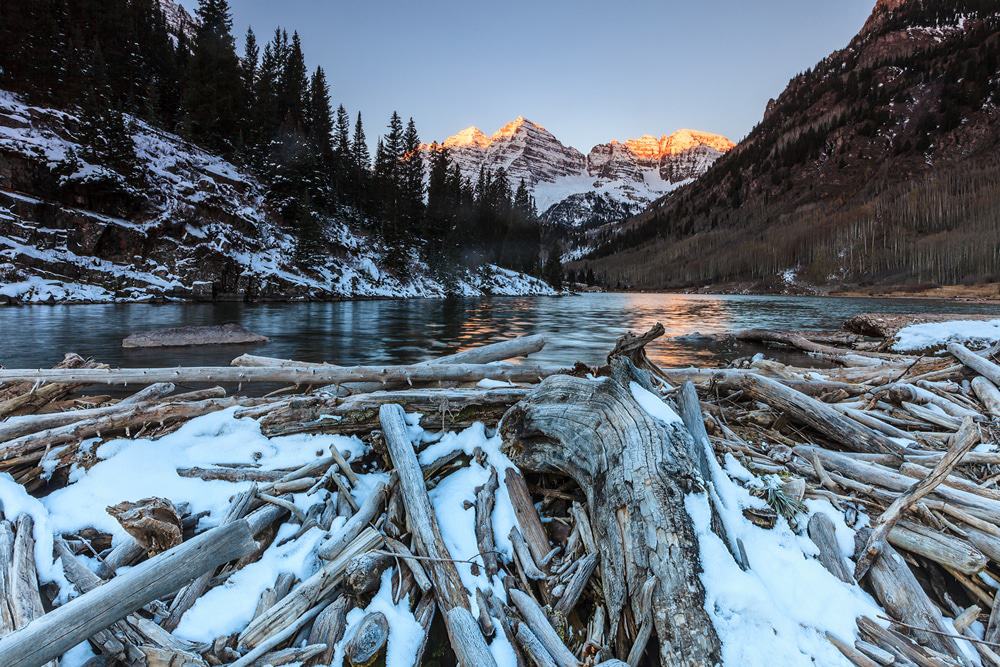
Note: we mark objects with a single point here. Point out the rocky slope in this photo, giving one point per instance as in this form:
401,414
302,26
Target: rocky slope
613,181
877,166
197,228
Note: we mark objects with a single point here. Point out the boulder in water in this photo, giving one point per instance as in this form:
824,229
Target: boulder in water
225,334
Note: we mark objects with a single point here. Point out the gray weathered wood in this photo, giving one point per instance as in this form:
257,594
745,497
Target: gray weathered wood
817,415
938,546
901,595
366,514
965,440
981,365
988,393
55,633
485,499
368,641
533,648
540,626
307,593
466,638
823,534
329,629
576,584
635,471
295,375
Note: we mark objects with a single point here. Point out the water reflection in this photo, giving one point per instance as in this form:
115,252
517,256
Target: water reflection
581,328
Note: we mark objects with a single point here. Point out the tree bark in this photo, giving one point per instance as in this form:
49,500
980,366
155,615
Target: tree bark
635,471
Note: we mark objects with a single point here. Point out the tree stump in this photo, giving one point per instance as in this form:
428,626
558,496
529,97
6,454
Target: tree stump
635,471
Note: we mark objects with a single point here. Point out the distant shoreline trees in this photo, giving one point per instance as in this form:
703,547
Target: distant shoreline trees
267,112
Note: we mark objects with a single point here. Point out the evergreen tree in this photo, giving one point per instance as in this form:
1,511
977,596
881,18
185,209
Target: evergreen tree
552,272
294,99
320,124
411,180
104,133
442,205
213,101
360,165
341,153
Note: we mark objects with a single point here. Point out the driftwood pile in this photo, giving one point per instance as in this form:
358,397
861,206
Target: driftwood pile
606,562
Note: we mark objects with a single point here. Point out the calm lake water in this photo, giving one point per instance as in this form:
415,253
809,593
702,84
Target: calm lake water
581,328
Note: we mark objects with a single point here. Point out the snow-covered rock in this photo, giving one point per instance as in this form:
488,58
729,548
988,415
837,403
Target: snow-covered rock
614,181
198,228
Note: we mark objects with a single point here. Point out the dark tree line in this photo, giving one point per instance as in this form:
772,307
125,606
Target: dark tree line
267,111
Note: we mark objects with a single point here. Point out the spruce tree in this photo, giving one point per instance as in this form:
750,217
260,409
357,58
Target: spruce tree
341,152
213,101
441,210
411,179
552,272
320,123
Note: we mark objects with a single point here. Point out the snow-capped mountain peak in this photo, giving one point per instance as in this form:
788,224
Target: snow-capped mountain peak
624,175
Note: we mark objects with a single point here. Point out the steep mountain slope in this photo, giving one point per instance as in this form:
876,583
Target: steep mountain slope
878,165
197,228
614,181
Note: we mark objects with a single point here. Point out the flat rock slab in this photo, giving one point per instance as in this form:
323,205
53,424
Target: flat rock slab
225,334
881,325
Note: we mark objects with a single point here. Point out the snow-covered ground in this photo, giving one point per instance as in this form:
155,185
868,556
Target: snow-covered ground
201,221
776,613
978,333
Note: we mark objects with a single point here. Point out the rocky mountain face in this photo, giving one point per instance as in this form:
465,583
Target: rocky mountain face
178,19
613,181
197,227
878,165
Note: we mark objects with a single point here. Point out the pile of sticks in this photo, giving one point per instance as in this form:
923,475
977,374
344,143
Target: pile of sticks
892,437
605,560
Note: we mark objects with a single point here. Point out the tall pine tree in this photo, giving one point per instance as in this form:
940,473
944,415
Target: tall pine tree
213,100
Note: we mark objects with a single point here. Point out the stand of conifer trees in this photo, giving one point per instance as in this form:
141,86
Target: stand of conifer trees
115,60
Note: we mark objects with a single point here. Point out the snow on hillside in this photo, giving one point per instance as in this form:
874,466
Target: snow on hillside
199,229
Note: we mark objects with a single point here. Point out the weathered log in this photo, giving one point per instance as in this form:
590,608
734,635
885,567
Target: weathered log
53,634
278,637
328,629
965,440
466,638
533,648
238,508
19,426
872,473
133,416
576,584
524,559
822,533
937,546
306,594
816,415
358,413
356,524
25,397
485,498
981,365
635,471
364,573
404,553
988,393
294,375
369,640
901,595
853,655
540,626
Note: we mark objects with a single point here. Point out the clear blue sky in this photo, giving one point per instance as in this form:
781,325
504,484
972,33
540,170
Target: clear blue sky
588,70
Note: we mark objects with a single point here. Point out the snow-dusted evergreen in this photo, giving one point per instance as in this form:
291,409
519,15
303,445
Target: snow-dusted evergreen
198,229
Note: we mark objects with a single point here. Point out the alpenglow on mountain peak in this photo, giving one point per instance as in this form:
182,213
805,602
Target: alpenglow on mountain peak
628,174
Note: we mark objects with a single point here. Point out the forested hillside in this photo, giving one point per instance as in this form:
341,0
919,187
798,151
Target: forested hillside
120,69
879,165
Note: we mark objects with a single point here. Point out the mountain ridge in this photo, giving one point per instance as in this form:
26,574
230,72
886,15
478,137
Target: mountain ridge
878,165
618,176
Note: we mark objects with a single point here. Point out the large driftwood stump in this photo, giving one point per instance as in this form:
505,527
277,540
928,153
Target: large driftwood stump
635,471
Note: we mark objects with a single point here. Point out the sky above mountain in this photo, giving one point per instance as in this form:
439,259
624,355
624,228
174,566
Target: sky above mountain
587,70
